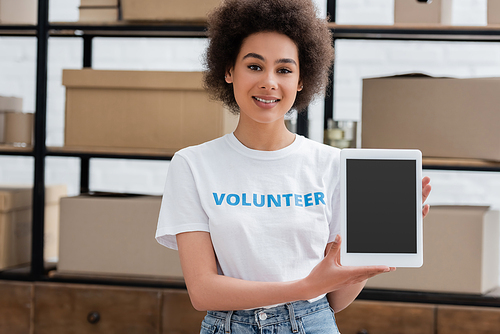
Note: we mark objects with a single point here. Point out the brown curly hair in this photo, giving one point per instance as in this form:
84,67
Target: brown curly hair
234,20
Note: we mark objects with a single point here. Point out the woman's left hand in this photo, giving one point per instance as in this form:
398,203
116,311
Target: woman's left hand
426,190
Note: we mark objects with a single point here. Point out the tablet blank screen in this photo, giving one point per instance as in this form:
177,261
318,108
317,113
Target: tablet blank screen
381,206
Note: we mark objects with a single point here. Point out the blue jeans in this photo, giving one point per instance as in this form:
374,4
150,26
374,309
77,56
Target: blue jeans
297,317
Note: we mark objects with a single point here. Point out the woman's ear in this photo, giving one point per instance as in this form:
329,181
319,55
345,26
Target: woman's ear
300,86
229,77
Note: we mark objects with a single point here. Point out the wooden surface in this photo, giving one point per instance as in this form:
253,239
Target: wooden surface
64,308
468,320
15,307
178,315
460,162
111,151
386,318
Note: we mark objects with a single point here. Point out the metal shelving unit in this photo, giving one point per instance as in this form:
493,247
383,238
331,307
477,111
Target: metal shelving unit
87,32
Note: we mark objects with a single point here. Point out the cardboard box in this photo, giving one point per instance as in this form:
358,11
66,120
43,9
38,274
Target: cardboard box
99,14
18,129
15,238
8,103
11,103
160,10
443,117
16,222
461,253
19,11
423,12
493,12
138,110
113,235
98,3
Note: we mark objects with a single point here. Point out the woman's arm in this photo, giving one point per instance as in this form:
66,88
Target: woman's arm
210,291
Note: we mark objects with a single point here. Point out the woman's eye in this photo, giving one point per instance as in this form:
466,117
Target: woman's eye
254,67
284,71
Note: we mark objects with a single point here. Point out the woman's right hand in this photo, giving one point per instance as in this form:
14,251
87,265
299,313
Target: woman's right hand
329,275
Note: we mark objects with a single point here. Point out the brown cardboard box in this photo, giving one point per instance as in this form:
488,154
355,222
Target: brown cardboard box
15,224
417,12
18,128
160,10
113,235
443,117
138,110
461,253
99,3
19,11
98,14
8,103
493,12
11,103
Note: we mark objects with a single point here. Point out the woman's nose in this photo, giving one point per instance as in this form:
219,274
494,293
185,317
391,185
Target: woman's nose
269,81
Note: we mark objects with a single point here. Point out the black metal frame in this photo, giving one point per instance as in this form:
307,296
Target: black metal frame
37,271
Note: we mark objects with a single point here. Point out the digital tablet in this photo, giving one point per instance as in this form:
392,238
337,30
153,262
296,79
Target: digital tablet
381,207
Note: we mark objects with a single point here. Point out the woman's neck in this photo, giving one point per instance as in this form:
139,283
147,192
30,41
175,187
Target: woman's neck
264,137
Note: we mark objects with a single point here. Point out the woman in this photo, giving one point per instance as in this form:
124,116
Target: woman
255,214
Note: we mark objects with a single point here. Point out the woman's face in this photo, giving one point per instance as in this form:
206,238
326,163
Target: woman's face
265,77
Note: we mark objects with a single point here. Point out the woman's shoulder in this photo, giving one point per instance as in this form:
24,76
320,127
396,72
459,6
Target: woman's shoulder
316,146
203,150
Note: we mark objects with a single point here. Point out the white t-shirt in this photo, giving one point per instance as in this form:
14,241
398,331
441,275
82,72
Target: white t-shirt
270,214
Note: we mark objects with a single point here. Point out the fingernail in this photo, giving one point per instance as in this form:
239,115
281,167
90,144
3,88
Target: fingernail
337,239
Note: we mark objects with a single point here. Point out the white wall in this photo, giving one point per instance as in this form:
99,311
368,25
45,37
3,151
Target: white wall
355,60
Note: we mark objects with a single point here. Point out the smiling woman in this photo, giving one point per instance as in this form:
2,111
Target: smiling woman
255,213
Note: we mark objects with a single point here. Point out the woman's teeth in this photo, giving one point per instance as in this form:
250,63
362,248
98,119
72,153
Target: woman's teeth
265,101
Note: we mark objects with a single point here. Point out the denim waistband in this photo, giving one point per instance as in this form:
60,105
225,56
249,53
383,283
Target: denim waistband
274,315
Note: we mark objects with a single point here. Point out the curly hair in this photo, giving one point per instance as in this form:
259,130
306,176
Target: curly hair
234,20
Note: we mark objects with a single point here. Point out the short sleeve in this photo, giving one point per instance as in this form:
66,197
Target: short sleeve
335,220
181,208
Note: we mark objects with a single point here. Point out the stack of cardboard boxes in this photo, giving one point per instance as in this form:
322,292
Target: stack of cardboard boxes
454,119
152,10
444,118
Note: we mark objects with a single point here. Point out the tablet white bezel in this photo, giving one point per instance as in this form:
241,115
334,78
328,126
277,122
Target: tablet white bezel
392,259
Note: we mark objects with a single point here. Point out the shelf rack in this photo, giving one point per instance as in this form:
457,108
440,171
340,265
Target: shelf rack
39,271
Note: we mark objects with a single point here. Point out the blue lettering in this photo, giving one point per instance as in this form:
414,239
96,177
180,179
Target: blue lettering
319,197
308,200
218,201
276,201
262,200
298,200
236,199
244,200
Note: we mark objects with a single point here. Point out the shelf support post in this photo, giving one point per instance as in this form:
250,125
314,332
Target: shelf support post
40,150
85,161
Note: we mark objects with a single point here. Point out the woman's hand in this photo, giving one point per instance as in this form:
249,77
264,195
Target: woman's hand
426,189
329,275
